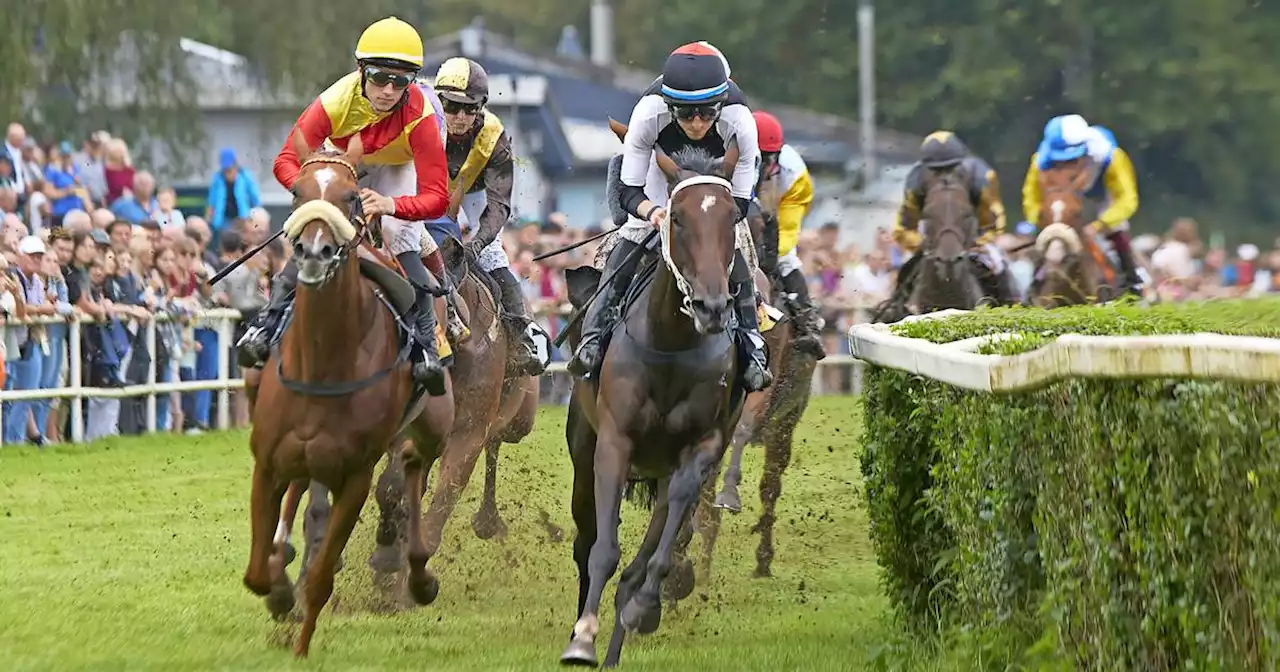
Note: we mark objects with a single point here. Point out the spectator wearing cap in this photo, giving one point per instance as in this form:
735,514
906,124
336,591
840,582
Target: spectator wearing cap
233,193
24,373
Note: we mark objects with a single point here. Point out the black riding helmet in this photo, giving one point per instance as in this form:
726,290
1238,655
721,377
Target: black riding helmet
695,74
942,149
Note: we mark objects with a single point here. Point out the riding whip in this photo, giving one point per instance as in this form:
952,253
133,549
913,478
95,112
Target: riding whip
573,246
244,257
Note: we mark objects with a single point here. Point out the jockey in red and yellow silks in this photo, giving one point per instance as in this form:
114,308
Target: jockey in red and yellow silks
407,174
1115,182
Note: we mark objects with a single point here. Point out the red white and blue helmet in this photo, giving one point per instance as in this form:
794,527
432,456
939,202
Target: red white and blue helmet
695,74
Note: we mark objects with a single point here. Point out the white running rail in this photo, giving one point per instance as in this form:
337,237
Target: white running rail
1201,355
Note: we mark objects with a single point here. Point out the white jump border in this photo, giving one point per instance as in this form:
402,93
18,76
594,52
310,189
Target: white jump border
1199,355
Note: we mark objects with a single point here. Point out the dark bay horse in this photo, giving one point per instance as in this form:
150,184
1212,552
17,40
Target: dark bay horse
490,409
664,404
945,276
335,396
1073,269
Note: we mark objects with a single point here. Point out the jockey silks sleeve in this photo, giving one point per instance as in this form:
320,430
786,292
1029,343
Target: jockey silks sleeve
499,177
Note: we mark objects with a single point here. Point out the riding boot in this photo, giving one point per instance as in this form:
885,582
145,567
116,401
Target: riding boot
454,328
1124,252
427,371
255,345
808,322
590,351
524,360
755,374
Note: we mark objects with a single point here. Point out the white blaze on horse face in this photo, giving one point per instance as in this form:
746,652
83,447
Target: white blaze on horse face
323,177
708,202
1057,207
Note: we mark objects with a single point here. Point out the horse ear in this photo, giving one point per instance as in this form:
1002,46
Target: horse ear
730,162
300,146
667,166
355,150
619,129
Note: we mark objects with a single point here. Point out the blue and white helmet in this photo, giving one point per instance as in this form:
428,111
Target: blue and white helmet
1070,137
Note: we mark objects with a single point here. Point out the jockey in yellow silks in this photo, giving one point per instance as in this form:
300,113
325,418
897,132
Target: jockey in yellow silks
1114,182
784,194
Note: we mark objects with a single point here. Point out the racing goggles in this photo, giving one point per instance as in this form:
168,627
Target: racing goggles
454,107
381,77
706,112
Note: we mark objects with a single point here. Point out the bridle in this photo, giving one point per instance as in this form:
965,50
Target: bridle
664,234
355,216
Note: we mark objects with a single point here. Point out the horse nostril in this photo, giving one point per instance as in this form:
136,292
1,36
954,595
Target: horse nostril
327,251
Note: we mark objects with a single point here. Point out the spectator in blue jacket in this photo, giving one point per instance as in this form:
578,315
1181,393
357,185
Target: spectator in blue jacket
232,194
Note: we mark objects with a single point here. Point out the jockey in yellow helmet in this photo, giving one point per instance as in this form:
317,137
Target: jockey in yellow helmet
407,175
1114,182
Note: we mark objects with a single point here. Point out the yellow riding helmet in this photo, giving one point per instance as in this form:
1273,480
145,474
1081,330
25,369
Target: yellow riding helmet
391,40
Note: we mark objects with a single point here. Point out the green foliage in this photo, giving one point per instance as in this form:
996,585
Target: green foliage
1118,524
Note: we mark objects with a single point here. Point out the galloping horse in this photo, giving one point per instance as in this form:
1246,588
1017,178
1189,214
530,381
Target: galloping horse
945,275
664,404
490,410
331,400
1073,269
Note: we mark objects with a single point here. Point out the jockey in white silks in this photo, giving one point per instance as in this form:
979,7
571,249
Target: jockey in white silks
693,104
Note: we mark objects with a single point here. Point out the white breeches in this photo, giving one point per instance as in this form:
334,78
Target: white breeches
493,256
398,236
789,263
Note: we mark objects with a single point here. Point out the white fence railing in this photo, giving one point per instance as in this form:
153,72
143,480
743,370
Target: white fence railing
1203,355
223,321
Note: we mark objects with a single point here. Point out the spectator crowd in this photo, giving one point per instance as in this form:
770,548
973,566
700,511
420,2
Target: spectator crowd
88,234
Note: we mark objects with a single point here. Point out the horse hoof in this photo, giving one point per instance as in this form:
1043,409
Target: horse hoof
280,601
488,524
579,653
423,586
290,554
635,617
679,584
728,500
385,559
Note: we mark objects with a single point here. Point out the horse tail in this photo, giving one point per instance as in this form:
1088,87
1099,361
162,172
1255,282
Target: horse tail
642,492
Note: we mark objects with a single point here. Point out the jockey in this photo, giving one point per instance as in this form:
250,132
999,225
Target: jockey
481,173
943,151
407,179
786,174
1114,182
693,104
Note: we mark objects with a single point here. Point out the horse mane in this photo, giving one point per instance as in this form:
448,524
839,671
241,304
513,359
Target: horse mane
698,160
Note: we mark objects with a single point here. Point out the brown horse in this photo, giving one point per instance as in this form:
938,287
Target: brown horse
664,404
337,393
1073,269
769,418
491,409
944,276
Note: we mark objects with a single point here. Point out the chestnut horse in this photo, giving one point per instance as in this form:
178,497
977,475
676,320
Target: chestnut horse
665,402
336,394
1073,268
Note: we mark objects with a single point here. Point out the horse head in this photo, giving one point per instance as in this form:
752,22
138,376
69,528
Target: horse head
1062,188
949,222
324,226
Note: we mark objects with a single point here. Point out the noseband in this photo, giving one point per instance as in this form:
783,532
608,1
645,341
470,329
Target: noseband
664,229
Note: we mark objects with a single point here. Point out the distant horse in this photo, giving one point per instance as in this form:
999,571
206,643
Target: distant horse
664,404
337,393
945,276
1073,268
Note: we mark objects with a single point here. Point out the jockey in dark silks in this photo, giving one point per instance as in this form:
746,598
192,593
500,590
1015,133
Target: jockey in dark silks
944,151
693,104
481,175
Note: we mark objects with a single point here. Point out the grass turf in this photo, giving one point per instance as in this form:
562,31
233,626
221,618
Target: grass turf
129,553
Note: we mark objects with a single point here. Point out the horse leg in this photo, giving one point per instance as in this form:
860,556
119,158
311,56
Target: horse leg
777,456
264,508
487,522
314,521
456,464
281,600
423,585
346,510
707,523
728,497
611,462
389,493
284,529
633,577
581,439
682,580
682,494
